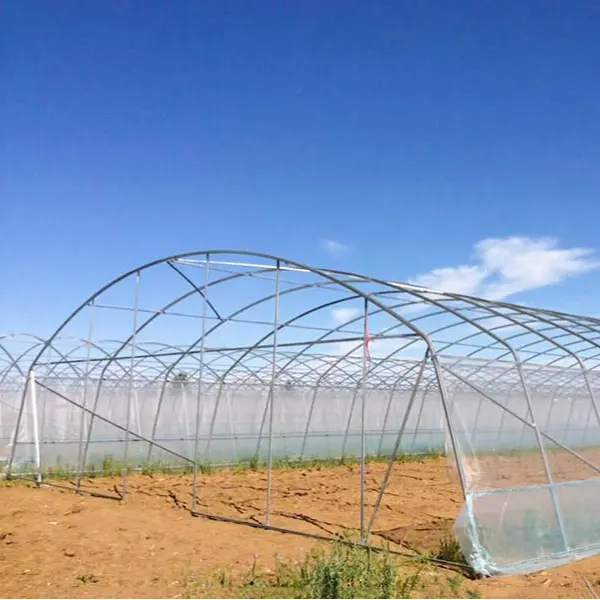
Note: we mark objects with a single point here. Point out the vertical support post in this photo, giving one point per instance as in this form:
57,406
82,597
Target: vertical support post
125,466
522,445
349,421
551,406
498,446
159,403
389,404
439,375
385,420
522,441
136,413
80,452
272,397
36,432
304,398
44,402
200,381
363,406
309,419
419,415
213,420
447,416
44,416
565,437
397,444
232,429
261,429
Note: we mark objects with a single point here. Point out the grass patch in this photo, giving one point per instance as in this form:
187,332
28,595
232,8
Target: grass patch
108,466
449,550
333,571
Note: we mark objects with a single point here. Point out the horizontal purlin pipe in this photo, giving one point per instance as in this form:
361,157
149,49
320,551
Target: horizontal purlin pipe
231,349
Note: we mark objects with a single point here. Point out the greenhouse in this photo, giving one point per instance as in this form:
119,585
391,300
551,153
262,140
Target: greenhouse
217,359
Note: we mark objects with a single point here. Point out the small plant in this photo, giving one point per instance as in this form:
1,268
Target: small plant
346,571
449,550
193,585
407,586
108,464
205,468
285,575
223,579
454,584
252,574
339,570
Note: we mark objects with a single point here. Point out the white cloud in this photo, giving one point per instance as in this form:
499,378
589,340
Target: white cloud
507,266
345,314
524,264
464,279
334,247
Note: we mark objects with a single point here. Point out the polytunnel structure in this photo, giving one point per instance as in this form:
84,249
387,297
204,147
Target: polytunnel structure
220,357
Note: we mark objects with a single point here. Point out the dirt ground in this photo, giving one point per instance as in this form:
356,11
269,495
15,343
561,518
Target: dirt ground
54,543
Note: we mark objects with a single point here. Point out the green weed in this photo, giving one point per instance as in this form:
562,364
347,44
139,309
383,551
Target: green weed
338,570
109,466
449,550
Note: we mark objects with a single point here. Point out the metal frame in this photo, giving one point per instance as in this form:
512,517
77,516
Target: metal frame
281,337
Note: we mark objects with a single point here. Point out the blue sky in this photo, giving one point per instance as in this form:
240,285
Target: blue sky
394,138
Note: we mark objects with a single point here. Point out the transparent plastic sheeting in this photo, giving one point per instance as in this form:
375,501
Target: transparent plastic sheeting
233,425
527,529
305,425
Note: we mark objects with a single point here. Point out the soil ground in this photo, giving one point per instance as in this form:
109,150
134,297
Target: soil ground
54,543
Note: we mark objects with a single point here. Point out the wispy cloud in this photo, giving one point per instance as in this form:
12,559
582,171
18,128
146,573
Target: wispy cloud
506,266
345,314
464,279
334,247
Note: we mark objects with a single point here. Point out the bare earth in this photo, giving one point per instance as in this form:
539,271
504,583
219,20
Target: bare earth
54,543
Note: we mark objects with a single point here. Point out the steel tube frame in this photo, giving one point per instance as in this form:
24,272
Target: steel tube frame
205,305
363,407
36,432
125,467
271,400
399,437
558,331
